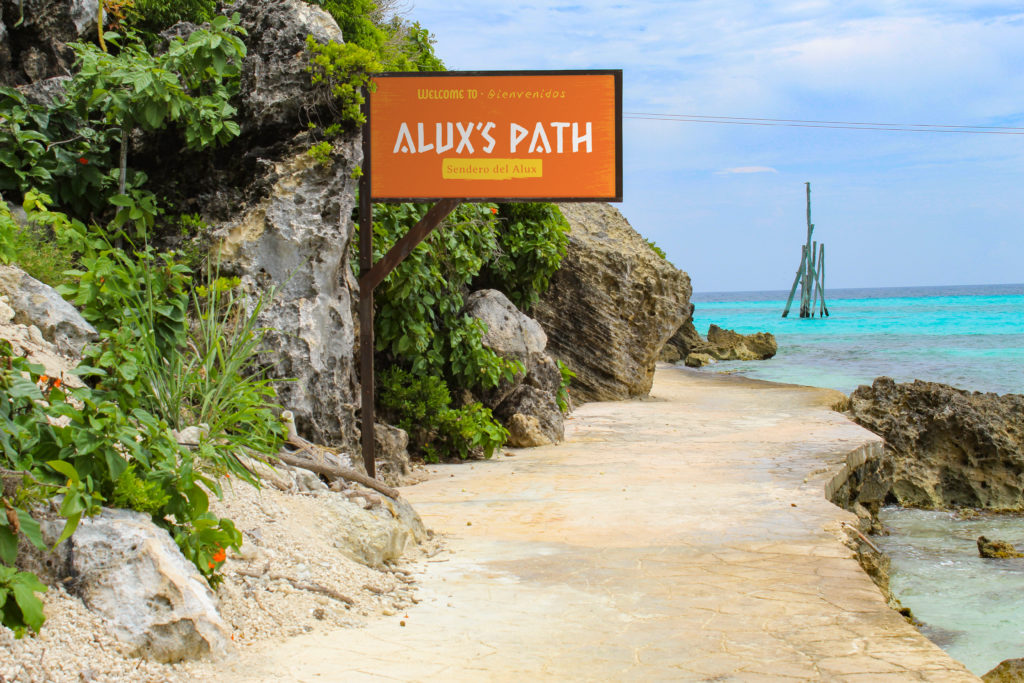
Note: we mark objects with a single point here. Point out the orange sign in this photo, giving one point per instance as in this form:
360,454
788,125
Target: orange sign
496,136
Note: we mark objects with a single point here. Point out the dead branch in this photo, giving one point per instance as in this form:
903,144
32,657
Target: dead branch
333,472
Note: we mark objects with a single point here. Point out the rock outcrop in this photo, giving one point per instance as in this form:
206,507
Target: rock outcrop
945,447
1001,550
611,306
1008,671
296,241
527,406
34,36
276,90
35,303
130,571
729,345
695,351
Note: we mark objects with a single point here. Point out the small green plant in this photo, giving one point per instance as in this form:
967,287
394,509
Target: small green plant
656,249
20,608
562,396
321,152
343,69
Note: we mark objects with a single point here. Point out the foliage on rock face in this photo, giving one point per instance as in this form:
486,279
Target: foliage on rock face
420,326
153,16
110,443
421,405
71,149
532,240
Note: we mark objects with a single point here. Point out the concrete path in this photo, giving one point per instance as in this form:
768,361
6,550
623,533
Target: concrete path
681,538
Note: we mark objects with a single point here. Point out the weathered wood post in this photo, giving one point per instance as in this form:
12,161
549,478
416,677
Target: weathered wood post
810,273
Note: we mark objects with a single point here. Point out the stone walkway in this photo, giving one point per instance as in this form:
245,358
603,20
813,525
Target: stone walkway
685,537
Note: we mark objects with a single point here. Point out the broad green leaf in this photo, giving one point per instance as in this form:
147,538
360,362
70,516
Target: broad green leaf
8,545
65,468
30,527
25,586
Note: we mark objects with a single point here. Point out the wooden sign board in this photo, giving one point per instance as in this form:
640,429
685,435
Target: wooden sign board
496,136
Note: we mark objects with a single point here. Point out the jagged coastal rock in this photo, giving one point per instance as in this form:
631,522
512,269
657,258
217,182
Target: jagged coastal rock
1008,671
997,549
721,344
611,306
527,406
945,447
296,241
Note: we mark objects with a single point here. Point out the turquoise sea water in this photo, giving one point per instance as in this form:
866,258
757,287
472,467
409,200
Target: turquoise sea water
970,337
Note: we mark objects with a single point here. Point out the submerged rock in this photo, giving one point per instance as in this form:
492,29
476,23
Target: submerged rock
945,447
730,345
997,549
611,305
1008,671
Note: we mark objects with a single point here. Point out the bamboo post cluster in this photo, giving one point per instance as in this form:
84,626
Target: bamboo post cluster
810,274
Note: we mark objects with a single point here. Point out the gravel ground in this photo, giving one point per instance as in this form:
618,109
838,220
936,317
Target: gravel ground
282,545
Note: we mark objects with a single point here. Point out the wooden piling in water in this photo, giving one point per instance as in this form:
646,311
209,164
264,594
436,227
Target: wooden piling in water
810,274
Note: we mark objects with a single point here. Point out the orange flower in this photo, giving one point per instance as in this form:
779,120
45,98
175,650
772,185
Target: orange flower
493,210
44,378
220,555
56,383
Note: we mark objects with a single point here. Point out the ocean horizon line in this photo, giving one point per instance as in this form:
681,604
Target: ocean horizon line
884,292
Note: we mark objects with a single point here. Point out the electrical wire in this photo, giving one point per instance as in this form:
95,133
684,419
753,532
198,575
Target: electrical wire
838,125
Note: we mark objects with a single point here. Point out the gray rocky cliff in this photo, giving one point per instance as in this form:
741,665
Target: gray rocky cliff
945,447
611,306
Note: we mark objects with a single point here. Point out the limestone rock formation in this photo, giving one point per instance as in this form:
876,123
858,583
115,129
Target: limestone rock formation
275,88
945,447
685,341
375,536
729,345
296,240
611,306
34,33
532,395
688,345
997,549
35,303
1008,671
130,571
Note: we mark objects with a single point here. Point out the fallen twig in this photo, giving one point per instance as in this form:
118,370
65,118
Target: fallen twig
862,536
333,472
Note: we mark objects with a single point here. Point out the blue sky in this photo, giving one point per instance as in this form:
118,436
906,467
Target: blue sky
726,202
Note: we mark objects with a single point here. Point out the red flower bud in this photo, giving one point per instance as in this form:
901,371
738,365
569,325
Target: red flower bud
83,160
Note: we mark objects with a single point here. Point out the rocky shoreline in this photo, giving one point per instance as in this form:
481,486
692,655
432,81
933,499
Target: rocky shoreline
945,449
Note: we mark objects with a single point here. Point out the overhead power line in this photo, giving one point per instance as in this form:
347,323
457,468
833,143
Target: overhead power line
840,125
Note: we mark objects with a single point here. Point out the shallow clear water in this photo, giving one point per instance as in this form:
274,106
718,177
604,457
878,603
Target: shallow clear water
970,606
969,337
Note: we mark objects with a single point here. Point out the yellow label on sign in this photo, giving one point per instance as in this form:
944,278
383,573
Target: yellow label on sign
491,169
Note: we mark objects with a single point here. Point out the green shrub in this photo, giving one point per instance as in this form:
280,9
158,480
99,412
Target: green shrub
421,405
153,16
532,239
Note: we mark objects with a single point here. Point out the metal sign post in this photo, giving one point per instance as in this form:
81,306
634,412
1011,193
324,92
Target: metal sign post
452,137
